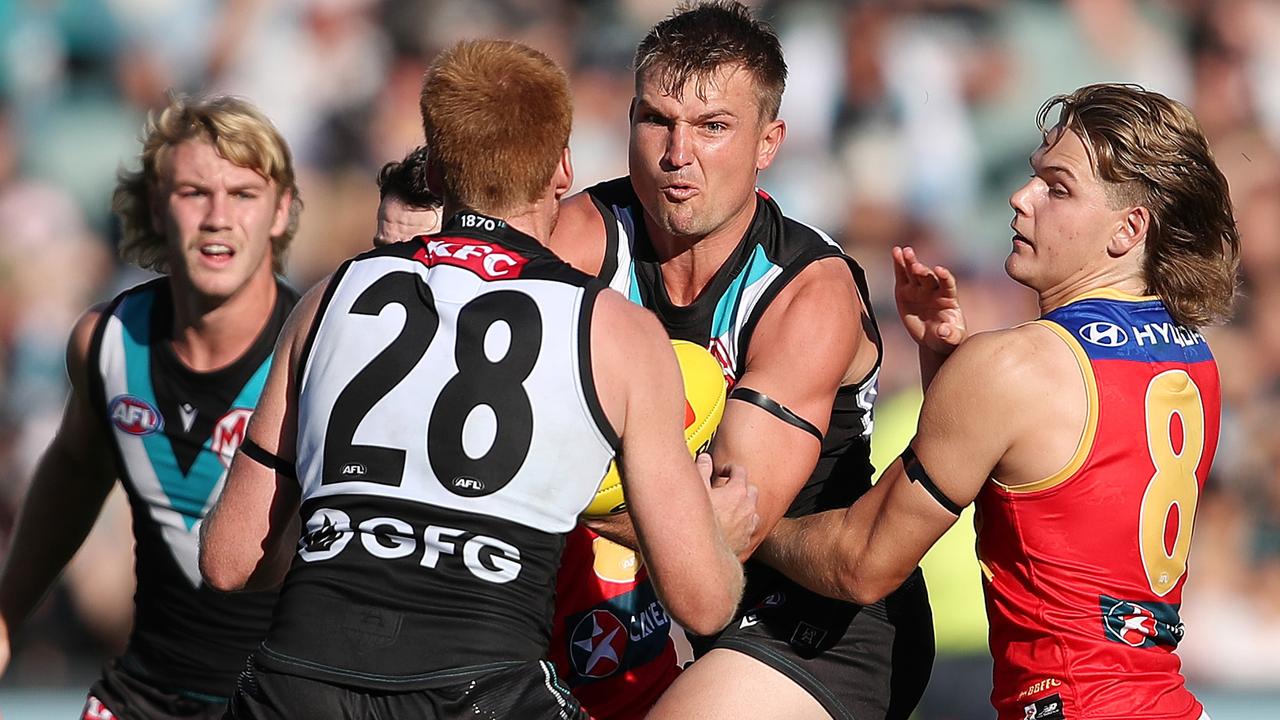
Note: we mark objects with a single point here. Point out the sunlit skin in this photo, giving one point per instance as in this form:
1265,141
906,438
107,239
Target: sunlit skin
1068,231
399,221
219,219
694,163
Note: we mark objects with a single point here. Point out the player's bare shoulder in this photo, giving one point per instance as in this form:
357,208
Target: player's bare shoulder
79,341
822,311
1012,394
579,234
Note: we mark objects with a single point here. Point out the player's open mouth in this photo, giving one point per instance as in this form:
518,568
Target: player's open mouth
217,252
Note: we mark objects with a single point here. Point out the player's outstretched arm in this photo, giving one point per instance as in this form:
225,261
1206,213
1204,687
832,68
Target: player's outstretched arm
929,307
71,483
799,356
695,572
248,538
972,414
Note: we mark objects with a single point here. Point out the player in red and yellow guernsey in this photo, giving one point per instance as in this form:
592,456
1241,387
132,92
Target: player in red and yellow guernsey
1085,568
1085,437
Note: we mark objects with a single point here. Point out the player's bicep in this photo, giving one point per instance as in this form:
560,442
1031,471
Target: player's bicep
972,414
780,408
804,346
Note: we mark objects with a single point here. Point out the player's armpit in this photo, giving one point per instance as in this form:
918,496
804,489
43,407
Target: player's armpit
800,354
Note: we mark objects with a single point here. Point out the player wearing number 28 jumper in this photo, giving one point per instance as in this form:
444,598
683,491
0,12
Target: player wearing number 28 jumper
1085,436
452,402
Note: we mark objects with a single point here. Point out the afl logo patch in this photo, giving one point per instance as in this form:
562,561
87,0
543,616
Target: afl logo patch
1105,334
135,416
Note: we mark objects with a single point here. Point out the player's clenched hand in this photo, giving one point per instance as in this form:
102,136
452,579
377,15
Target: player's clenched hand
734,502
927,302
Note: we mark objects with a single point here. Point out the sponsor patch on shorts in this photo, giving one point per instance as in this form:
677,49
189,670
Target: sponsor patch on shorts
1046,708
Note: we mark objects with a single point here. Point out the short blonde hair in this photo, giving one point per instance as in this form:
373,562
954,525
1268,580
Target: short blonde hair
239,132
497,116
1151,152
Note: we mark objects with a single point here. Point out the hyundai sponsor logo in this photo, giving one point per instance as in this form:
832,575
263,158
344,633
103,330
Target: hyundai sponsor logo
1105,334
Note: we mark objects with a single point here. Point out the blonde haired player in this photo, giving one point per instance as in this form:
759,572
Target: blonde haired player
164,378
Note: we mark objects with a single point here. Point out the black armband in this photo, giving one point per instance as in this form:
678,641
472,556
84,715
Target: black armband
916,473
254,452
774,408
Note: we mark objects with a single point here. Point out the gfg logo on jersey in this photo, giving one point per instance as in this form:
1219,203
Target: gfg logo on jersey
1141,624
228,433
489,261
1104,334
135,416
329,531
597,644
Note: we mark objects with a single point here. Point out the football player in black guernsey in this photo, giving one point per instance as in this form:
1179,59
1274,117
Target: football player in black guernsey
440,413
688,235
164,379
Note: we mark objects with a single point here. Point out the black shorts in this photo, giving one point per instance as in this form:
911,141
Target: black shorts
863,662
525,690
122,695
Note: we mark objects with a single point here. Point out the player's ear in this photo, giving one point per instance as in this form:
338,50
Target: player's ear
280,222
770,140
1130,231
563,178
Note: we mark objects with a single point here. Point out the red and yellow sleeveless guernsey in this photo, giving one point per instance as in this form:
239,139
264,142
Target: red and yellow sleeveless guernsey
1085,568
616,653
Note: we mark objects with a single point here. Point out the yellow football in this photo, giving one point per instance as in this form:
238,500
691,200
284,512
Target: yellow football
704,399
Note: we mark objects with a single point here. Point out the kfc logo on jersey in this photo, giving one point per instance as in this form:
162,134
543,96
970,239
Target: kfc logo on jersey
1141,624
488,260
1104,334
228,433
597,644
135,416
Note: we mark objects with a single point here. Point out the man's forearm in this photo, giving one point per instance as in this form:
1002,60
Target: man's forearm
808,550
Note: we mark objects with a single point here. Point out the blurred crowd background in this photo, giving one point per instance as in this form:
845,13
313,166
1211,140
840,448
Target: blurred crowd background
908,122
